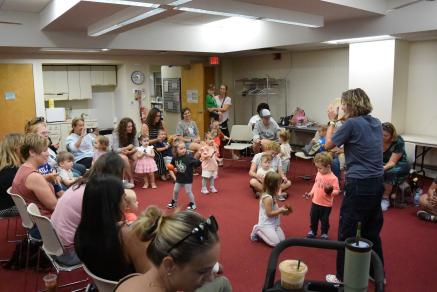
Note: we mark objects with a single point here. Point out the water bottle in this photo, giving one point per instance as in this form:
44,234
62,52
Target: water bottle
417,196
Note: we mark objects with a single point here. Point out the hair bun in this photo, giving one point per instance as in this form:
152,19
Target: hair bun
149,223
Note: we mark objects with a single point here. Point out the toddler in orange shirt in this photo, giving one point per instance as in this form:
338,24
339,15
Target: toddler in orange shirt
324,189
131,206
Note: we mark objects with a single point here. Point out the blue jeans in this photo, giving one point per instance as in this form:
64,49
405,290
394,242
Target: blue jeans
361,203
78,169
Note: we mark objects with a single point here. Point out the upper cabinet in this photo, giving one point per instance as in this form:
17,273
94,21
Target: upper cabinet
103,76
74,82
55,82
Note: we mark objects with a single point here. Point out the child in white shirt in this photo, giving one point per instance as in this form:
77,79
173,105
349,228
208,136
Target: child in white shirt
65,162
264,167
285,154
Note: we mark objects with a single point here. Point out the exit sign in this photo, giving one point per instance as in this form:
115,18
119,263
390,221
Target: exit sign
214,60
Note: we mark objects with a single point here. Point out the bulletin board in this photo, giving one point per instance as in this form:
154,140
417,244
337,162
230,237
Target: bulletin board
171,89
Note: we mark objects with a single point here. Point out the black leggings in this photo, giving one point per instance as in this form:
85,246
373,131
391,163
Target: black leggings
87,161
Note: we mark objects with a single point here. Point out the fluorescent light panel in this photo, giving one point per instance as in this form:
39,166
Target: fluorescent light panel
360,40
126,2
290,22
72,50
179,2
128,21
212,12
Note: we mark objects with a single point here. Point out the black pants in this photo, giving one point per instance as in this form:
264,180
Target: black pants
319,213
87,161
361,203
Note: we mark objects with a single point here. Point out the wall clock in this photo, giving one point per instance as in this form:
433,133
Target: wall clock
137,77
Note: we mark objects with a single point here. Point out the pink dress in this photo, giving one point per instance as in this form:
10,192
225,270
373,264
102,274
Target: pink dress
146,164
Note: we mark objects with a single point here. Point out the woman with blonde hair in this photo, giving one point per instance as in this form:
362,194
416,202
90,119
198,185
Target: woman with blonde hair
274,149
38,126
28,182
361,136
183,249
10,161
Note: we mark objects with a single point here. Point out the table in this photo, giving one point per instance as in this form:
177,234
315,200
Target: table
301,135
425,143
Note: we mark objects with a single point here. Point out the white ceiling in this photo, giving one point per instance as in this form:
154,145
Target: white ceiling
23,5
67,24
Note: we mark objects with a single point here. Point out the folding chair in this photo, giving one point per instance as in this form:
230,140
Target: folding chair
51,244
240,138
103,285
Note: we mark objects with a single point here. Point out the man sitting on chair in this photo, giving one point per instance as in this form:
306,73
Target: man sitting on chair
265,130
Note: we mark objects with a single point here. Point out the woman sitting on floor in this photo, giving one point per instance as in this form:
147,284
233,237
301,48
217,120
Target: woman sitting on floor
395,161
272,148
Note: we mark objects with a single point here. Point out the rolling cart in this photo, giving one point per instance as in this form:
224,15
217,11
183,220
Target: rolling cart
315,286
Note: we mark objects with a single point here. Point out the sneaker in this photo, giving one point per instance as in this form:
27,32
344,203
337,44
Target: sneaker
333,279
281,197
213,190
204,191
254,237
426,216
191,206
324,236
172,204
385,204
373,280
310,234
128,185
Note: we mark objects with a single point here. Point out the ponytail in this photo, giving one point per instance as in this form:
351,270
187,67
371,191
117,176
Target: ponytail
149,223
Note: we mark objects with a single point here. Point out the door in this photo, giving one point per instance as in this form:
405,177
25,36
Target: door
17,97
209,79
192,91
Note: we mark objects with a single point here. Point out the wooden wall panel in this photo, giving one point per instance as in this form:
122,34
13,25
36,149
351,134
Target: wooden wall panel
16,78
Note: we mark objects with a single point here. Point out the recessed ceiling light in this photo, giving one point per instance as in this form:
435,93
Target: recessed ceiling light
127,22
360,40
74,50
291,22
212,12
126,2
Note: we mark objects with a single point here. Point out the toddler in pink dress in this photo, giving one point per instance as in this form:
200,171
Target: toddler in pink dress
146,163
208,156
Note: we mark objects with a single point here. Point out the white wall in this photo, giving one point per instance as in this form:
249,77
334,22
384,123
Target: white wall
313,79
422,89
400,85
371,67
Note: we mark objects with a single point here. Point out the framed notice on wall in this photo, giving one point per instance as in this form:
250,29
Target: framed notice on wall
172,94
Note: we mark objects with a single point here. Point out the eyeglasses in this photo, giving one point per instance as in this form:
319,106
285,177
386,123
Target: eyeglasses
200,231
386,126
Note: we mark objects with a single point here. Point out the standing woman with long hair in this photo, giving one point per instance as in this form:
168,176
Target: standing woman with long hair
125,143
10,161
151,128
361,136
224,103
80,144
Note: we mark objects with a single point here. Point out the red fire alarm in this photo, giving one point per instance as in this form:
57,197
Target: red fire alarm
214,60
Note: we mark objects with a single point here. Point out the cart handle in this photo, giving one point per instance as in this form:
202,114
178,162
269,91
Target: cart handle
317,243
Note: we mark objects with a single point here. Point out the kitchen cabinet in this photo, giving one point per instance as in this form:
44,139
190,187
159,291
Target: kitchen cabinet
79,82
103,75
55,82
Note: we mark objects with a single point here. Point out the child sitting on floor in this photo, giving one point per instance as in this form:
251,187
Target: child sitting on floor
324,189
265,166
101,146
268,228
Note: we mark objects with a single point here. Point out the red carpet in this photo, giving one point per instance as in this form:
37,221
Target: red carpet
410,245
